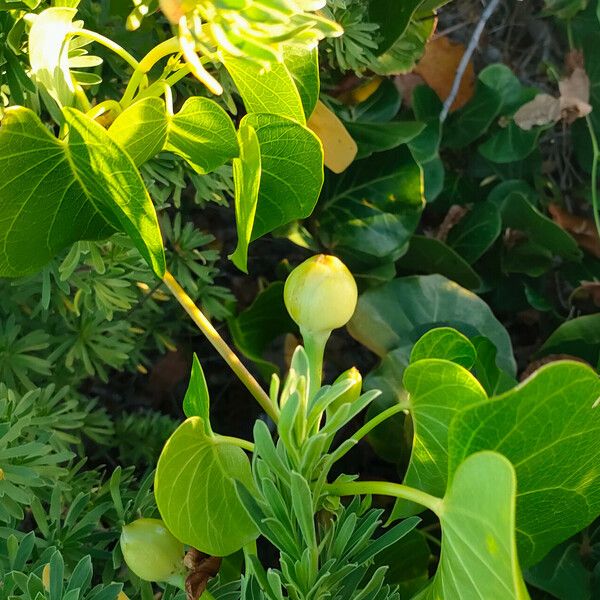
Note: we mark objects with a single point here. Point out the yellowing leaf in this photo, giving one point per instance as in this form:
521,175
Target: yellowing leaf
338,146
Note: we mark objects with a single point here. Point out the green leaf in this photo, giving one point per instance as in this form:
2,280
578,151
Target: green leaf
427,255
505,83
578,337
437,391
562,573
471,121
292,171
475,233
303,65
195,490
378,137
271,91
196,402
85,189
373,207
141,129
493,379
203,134
510,144
112,183
550,419
246,176
404,54
48,55
446,343
262,322
397,314
479,557
518,213
393,19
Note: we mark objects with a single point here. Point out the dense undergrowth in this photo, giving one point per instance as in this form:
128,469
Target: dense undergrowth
480,225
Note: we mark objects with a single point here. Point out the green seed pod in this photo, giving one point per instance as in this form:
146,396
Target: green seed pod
350,395
320,294
151,551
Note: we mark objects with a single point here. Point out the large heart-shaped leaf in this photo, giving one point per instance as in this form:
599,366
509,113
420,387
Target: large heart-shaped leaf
373,207
437,391
195,491
397,314
271,91
549,428
57,193
479,556
291,171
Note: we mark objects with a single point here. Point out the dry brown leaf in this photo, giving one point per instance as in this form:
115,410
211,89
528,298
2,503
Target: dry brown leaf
453,217
575,95
582,229
405,84
543,109
438,68
338,146
202,567
588,293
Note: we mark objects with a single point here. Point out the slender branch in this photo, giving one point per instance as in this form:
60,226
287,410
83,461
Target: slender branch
221,346
384,488
596,156
466,57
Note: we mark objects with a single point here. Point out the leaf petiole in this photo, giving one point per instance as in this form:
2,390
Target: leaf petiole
384,488
221,346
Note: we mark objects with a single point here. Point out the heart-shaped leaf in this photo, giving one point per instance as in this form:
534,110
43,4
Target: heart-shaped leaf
85,188
195,490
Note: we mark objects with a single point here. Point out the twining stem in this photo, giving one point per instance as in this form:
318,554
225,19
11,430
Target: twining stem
384,488
595,157
221,346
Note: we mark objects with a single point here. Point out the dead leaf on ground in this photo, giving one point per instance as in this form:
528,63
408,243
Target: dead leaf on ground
454,215
581,228
542,110
405,84
202,567
438,68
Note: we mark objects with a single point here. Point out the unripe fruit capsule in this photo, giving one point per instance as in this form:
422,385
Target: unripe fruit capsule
151,551
320,294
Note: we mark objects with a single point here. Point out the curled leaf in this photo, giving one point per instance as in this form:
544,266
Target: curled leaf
542,110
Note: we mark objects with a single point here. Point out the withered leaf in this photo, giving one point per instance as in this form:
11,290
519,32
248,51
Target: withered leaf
581,228
202,567
575,95
542,110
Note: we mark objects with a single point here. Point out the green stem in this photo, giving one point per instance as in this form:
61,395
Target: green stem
234,441
370,425
104,107
108,43
314,346
384,488
596,156
221,346
170,46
